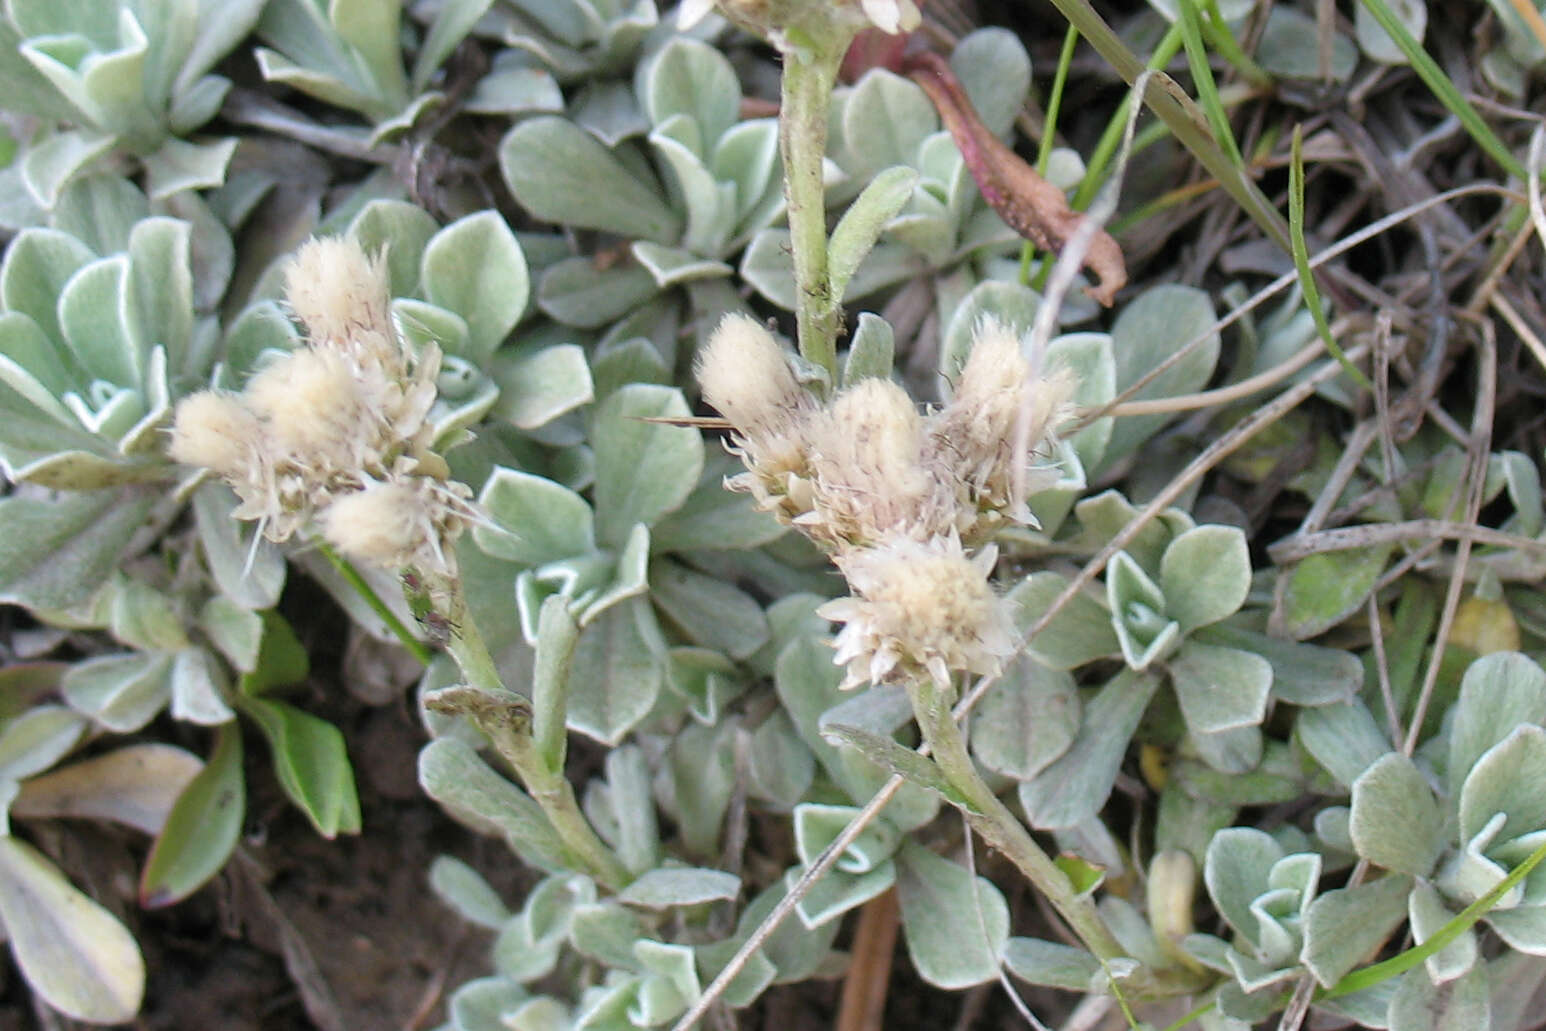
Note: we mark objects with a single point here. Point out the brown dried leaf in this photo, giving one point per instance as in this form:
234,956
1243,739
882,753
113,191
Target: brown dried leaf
1026,202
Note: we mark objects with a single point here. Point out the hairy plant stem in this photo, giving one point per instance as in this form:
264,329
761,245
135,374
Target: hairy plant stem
809,73
992,819
506,718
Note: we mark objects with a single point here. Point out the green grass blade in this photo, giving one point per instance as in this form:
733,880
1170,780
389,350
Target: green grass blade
1440,85
1312,294
1202,78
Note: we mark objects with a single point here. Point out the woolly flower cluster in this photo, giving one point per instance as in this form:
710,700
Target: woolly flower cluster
335,435
772,18
906,502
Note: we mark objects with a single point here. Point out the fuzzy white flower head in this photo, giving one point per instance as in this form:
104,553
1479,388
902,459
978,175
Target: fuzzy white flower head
867,472
973,438
216,431
691,12
314,406
919,607
338,291
408,522
892,16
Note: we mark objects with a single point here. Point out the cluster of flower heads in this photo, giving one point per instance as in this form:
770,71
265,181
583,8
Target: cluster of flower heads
905,502
335,435
772,18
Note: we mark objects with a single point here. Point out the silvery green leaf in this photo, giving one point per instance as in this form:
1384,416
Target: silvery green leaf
956,924
883,709
536,387
1498,693
671,265
1205,575
178,165
562,174
680,886
1344,926
27,91
623,360
1080,632
557,632
608,111
706,680
1302,674
643,470
100,211
747,155
1278,779
996,71
619,669
464,890
1420,1005
120,692
1220,688
1026,720
1138,614
637,836
1523,928
1322,590
452,23
1376,43
1395,821
55,553
1344,739
871,352
1048,963
475,267
710,204
539,521
689,77
422,324
743,989
837,893
806,681
1509,778
1187,823
816,826
481,1004
199,686
37,371
708,611
885,119
1515,982
714,516
794,949
248,569
72,952
399,229
606,931
861,225
1012,304
50,165
1153,326
1236,870
1289,48
1076,786
1524,490
701,775
780,768
38,738
577,293
768,266
473,794
144,618
1428,914
515,88
1237,750
36,267
676,965
161,299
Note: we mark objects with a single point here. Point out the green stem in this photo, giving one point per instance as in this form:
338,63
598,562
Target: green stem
992,819
417,648
506,718
809,74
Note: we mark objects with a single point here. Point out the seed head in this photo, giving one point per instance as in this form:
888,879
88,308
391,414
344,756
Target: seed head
338,291
216,431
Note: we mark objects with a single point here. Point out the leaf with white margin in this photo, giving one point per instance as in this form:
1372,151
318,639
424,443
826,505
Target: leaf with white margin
666,888
1395,821
73,953
1498,693
956,924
